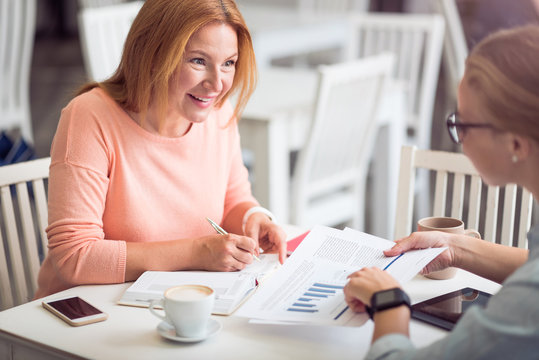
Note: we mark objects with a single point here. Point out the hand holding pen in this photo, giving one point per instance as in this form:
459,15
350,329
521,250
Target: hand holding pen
222,231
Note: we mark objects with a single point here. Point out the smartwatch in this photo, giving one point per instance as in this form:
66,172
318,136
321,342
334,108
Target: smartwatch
387,299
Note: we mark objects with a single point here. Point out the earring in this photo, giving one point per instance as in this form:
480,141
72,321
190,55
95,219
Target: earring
514,159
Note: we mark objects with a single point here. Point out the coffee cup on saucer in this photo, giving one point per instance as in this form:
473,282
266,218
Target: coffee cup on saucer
187,309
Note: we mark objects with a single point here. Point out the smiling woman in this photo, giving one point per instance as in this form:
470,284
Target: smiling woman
140,160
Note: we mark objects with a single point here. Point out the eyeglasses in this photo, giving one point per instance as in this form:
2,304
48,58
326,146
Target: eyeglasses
457,130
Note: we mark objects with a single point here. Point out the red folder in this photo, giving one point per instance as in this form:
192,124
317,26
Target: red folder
292,244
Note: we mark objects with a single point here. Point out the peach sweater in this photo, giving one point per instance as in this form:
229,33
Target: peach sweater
112,181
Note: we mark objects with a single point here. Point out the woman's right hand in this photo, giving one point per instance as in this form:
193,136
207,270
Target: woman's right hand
229,252
427,239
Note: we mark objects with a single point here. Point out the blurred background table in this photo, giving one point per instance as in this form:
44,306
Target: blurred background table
275,123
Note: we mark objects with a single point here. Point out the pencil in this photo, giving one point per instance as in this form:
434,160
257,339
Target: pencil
222,231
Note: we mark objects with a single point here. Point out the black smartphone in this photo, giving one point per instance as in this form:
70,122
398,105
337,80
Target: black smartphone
74,310
445,310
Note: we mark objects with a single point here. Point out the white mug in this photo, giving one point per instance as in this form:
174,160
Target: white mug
187,308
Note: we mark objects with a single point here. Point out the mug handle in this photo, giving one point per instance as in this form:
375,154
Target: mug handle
154,303
472,233
474,295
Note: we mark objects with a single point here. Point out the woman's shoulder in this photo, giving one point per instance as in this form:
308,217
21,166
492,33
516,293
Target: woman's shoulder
95,98
91,108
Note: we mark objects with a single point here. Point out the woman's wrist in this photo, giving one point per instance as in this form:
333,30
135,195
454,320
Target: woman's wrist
459,246
256,210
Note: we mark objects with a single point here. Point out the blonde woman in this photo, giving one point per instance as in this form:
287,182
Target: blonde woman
140,160
497,123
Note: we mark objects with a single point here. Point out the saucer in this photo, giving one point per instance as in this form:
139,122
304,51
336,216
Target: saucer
167,331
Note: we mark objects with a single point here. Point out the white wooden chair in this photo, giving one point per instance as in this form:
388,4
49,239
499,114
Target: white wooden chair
463,199
17,25
102,32
22,229
455,46
98,3
329,178
416,40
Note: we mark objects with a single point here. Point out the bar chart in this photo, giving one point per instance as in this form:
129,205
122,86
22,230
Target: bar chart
315,297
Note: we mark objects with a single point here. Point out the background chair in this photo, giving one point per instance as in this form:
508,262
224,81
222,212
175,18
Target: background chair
98,3
17,25
330,175
458,193
454,53
417,42
23,239
102,32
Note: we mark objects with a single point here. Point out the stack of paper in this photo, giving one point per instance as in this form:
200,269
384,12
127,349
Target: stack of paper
308,287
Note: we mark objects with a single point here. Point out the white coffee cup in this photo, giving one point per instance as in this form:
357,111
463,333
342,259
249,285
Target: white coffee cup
187,308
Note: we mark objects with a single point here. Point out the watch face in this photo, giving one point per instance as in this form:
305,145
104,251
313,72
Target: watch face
385,297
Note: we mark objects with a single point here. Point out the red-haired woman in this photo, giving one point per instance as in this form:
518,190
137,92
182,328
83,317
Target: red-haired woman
141,159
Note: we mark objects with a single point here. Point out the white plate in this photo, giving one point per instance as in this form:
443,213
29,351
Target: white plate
167,331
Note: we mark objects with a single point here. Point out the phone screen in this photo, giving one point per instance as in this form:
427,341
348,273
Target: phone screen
74,308
445,310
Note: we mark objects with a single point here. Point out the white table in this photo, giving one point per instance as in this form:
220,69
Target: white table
28,331
279,32
276,121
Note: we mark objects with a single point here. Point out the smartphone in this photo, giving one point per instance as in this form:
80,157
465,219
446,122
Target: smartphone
74,311
445,310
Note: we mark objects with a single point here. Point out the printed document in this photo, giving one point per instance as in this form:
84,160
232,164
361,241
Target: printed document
231,288
308,287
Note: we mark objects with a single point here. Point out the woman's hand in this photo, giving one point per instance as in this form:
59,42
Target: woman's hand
363,284
228,252
427,239
271,238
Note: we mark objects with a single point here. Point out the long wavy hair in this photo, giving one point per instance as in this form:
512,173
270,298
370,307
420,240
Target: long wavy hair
155,45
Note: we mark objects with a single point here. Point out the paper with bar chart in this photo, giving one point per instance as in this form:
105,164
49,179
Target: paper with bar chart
308,287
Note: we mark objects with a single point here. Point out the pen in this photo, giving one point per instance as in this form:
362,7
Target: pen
222,231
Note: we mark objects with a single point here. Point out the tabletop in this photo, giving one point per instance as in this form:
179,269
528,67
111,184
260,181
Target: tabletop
29,330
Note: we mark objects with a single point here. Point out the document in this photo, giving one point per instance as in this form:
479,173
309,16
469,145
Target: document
231,288
308,287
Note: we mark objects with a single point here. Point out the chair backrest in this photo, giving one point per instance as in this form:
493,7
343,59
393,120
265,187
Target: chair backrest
17,28
23,241
102,32
455,46
458,193
416,40
338,148
332,6
98,3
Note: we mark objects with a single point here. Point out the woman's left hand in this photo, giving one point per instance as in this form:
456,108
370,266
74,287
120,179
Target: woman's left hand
271,238
363,284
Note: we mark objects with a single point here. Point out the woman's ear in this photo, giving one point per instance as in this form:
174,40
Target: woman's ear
519,147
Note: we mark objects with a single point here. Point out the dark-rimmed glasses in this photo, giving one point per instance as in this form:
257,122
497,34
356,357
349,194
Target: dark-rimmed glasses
457,130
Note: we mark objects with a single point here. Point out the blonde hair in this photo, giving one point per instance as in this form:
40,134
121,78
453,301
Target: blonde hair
155,46
502,70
